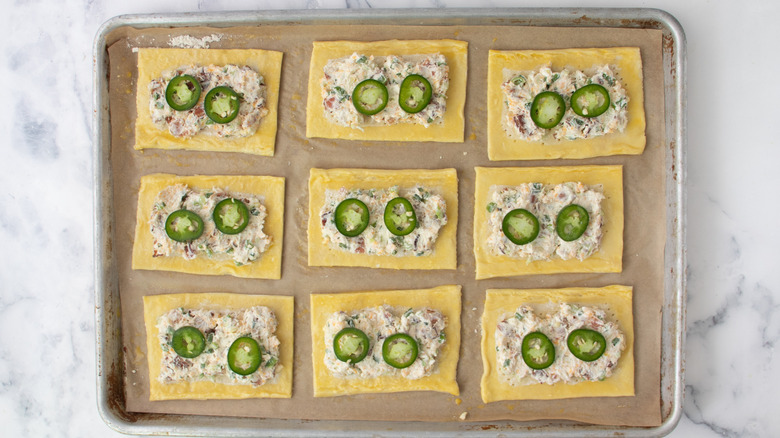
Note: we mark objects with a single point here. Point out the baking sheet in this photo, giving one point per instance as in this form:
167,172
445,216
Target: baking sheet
644,236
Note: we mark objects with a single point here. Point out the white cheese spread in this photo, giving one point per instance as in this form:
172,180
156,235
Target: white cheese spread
243,248
430,209
545,202
520,89
341,76
220,328
425,325
513,327
249,85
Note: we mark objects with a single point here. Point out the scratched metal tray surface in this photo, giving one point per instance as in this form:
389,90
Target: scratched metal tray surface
110,361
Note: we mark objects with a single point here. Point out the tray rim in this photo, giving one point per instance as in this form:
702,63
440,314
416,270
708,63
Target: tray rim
109,363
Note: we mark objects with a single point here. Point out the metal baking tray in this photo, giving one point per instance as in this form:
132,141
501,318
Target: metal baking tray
110,362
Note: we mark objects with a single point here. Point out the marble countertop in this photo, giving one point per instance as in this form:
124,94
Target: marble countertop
47,374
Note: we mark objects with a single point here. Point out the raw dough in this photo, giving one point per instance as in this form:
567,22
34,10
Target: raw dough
151,64
629,64
452,128
616,300
446,299
156,305
269,188
609,257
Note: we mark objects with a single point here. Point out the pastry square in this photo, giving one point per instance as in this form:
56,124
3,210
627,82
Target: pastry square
616,300
269,188
628,62
152,62
452,128
157,305
445,299
609,257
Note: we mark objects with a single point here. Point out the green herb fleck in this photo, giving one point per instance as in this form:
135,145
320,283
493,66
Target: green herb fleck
491,207
341,93
519,80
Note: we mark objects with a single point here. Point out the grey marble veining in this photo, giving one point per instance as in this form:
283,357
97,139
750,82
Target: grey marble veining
47,351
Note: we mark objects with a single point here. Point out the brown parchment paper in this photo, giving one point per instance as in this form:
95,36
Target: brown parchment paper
643,261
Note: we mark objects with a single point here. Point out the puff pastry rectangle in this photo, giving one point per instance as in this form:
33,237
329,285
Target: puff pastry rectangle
628,62
615,300
609,257
157,305
151,64
452,128
446,299
270,188
442,181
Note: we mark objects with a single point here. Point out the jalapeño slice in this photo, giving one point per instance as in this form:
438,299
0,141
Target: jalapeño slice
415,94
182,92
520,226
399,350
183,225
538,351
244,356
231,216
188,342
221,104
590,101
351,217
547,109
350,345
400,218
586,344
572,222
369,97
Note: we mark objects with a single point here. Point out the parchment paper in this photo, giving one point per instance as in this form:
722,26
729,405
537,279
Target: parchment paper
643,262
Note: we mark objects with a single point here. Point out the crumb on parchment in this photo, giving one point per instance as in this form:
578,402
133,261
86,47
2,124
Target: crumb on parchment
190,42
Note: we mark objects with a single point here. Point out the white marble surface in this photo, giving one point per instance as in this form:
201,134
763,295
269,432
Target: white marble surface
47,347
